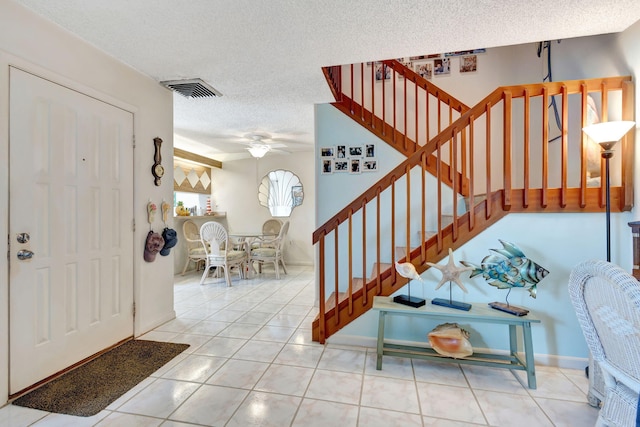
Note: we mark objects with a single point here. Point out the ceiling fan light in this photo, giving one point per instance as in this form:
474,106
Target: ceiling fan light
258,150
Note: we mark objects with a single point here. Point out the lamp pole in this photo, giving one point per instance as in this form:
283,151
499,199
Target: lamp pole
607,134
606,155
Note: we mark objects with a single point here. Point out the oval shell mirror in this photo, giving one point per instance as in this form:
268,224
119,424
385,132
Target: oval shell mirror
280,191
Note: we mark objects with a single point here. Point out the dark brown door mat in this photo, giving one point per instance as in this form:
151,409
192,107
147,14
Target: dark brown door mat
90,388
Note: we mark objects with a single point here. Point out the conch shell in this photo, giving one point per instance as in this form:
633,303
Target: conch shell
449,339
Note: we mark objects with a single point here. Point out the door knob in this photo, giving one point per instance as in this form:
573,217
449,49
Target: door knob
25,254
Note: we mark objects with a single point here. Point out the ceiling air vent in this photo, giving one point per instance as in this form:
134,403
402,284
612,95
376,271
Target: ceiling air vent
191,88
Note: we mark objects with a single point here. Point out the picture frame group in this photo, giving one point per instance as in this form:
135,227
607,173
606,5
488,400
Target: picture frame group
351,159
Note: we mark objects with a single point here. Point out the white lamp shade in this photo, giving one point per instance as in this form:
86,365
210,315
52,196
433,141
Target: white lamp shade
608,131
259,150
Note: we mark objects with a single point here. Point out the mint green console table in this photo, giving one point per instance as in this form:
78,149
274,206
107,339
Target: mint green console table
479,312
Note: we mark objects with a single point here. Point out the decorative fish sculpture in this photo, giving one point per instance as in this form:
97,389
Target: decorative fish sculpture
509,268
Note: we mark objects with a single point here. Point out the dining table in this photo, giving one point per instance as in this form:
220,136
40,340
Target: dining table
246,239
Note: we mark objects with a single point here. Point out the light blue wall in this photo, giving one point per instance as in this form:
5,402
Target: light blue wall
556,241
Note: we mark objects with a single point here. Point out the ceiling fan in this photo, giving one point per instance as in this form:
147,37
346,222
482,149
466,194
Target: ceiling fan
259,144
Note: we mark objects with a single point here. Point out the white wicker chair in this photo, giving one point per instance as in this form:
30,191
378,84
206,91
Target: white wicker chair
607,303
271,251
195,253
272,226
215,241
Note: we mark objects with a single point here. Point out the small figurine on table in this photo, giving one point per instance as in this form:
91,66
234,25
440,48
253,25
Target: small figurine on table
451,273
509,268
408,270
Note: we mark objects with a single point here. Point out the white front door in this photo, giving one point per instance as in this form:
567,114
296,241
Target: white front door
70,205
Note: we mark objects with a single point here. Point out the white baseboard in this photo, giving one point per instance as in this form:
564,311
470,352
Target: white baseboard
550,360
170,315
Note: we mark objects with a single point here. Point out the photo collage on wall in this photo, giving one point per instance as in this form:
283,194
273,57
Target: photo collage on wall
351,159
438,64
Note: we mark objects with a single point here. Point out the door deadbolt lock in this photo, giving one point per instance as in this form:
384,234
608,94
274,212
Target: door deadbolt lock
24,254
23,237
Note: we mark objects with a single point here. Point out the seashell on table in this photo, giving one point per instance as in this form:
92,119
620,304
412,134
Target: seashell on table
449,339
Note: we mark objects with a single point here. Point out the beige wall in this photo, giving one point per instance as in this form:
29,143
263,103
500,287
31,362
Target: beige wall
235,191
29,42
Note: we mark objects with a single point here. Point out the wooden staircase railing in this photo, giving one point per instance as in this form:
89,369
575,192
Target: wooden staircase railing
500,147
386,112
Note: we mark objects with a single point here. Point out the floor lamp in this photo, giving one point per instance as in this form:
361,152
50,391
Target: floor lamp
607,134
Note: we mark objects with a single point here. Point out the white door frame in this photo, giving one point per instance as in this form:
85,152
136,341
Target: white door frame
7,60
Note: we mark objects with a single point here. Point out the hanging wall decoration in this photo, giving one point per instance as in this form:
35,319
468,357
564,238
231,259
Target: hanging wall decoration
191,178
157,169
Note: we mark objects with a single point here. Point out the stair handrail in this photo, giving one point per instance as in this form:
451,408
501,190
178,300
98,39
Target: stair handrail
515,91
506,193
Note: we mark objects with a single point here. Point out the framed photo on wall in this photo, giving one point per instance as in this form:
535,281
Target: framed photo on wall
327,166
370,150
469,64
327,152
355,166
424,69
441,66
370,165
356,151
341,152
340,165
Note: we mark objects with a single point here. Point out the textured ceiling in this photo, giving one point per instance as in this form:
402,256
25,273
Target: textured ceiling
265,56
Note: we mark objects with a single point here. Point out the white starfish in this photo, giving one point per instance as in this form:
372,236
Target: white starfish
408,270
450,273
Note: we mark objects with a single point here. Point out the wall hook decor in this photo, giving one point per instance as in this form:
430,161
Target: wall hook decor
157,169
151,212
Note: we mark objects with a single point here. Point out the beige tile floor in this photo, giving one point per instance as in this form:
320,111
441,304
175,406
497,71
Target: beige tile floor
252,363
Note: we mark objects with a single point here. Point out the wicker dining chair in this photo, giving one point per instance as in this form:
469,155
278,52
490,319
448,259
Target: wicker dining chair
271,251
219,251
606,300
195,252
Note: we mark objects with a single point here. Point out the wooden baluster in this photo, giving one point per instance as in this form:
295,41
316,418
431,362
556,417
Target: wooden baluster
373,97
417,125
395,112
452,170
604,112
362,91
404,132
565,145
365,278
426,117
454,182
628,146
464,178
545,147
384,106
351,87
583,146
407,174
393,220
350,261
336,290
472,192
507,121
487,137
378,260
439,196
527,149
321,278
439,112
423,204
